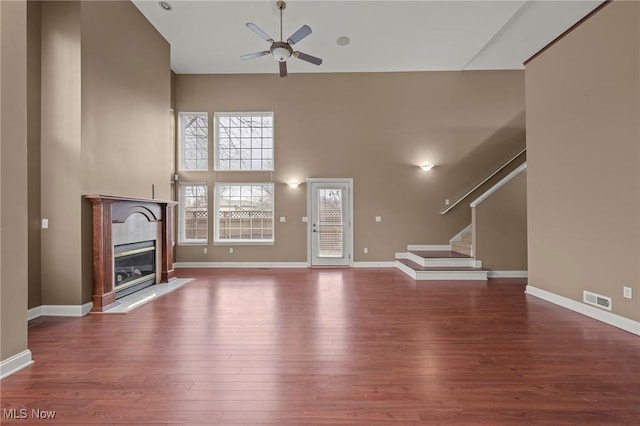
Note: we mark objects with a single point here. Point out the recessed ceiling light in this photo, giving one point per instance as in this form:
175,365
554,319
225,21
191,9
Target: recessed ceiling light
165,5
343,40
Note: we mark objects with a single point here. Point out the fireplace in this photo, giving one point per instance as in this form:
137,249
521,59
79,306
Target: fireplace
132,246
134,267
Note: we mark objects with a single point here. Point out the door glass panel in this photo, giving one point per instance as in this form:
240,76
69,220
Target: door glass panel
330,223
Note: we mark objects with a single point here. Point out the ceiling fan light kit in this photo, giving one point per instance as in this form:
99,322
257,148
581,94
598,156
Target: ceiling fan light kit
282,50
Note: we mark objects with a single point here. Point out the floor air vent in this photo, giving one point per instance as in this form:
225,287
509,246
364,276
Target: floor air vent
596,300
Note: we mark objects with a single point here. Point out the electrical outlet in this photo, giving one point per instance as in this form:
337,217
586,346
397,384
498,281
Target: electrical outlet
231,250
627,292
205,250
366,250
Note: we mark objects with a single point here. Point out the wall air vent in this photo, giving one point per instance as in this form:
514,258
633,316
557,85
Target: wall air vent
596,300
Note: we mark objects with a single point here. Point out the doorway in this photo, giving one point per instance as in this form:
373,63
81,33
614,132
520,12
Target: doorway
330,230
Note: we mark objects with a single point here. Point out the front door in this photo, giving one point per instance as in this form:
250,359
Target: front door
330,233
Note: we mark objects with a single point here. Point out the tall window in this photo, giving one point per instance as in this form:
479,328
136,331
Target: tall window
194,217
244,141
194,141
244,213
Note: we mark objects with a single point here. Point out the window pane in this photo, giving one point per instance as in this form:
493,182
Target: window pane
245,212
242,139
330,223
194,213
195,141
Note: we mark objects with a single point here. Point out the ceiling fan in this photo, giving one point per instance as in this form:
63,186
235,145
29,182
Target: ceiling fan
282,50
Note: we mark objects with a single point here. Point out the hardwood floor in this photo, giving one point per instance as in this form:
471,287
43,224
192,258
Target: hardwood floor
323,346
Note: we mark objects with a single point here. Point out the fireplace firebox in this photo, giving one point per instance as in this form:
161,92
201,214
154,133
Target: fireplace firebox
134,267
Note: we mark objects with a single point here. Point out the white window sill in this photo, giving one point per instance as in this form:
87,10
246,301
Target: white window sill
243,243
193,243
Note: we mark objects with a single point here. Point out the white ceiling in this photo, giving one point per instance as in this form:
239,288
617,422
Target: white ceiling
208,37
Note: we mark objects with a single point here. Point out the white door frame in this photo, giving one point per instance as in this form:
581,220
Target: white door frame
348,249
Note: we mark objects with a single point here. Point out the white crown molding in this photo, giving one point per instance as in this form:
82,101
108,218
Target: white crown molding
15,363
59,311
508,274
623,323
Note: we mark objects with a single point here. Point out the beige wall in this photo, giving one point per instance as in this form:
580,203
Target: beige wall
106,128
375,128
13,178
500,227
126,103
33,150
61,151
583,137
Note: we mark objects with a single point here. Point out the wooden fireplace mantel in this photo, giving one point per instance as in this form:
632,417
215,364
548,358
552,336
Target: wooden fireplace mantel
108,209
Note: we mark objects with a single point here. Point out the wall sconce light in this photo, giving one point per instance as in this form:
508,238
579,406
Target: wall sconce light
426,167
293,184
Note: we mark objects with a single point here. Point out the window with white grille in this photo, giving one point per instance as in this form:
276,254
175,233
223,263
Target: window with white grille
244,141
244,213
194,141
194,217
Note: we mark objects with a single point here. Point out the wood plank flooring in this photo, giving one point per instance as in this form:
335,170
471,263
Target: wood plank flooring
323,346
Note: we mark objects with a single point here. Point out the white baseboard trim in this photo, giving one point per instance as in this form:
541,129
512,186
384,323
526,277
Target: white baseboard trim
59,311
178,265
15,363
380,264
401,256
607,317
428,247
508,274
34,313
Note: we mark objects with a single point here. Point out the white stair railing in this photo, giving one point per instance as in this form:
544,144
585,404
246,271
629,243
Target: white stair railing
448,209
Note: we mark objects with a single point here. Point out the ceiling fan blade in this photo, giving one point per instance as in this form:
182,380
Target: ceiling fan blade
283,68
254,55
257,30
308,58
304,31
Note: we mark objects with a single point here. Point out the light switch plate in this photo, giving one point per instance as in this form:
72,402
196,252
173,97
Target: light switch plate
45,223
378,218
627,292
283,219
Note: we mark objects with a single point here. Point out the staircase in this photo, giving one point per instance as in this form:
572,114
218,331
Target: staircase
462,243
454,262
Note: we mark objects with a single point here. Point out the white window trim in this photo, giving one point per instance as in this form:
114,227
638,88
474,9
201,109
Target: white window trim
181,166
181,230
216,147
216,211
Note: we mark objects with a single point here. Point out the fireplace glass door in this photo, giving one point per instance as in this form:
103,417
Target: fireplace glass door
134,267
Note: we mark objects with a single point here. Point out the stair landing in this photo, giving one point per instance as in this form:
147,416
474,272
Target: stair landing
440,265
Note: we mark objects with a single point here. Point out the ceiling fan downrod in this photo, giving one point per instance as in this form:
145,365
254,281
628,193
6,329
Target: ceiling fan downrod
282,6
